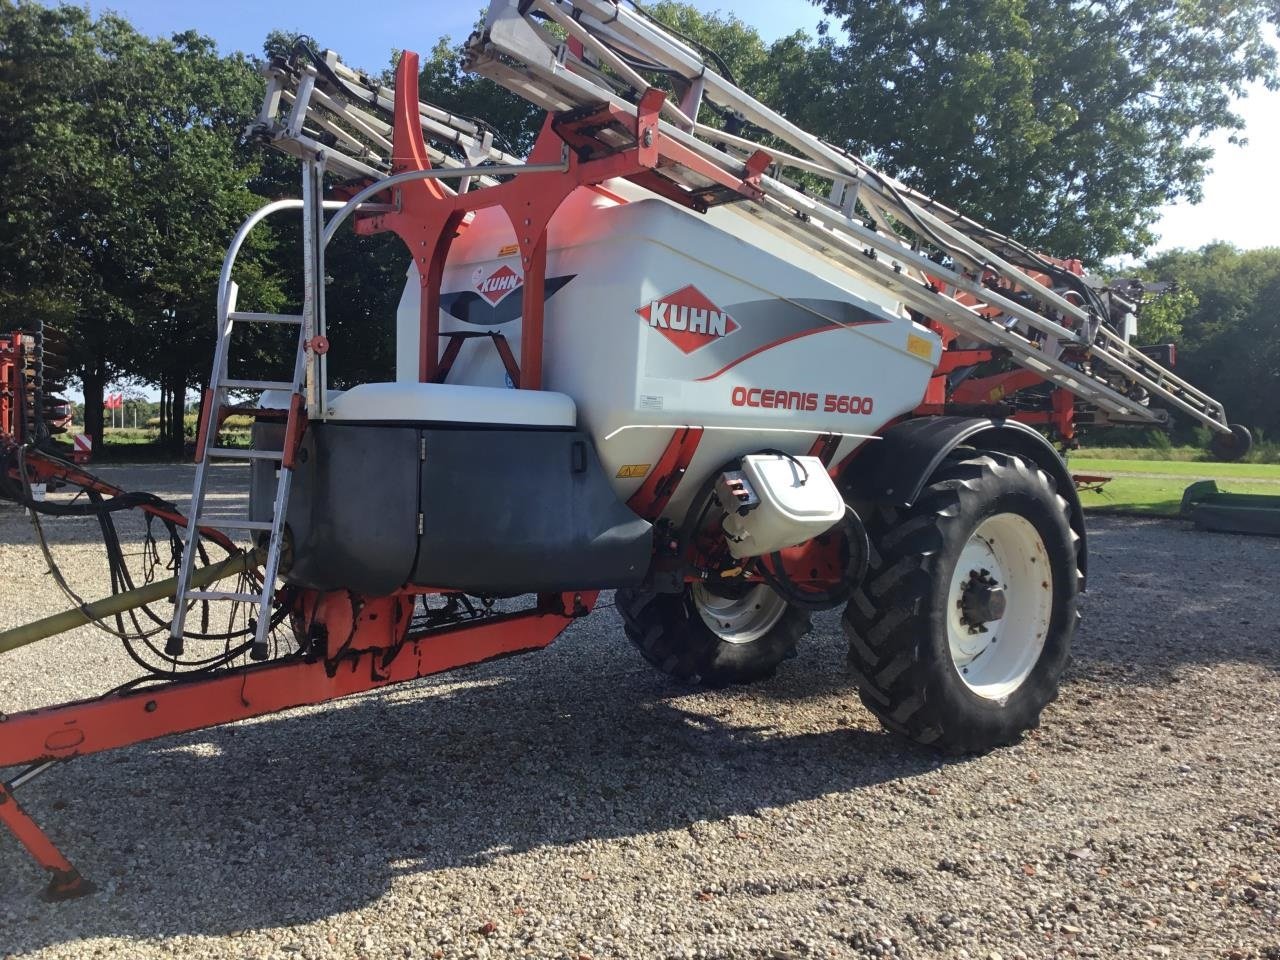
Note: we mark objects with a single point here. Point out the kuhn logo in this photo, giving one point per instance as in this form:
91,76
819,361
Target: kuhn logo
688,319
496,286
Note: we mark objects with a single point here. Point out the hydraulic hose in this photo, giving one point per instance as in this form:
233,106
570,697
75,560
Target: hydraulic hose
119,603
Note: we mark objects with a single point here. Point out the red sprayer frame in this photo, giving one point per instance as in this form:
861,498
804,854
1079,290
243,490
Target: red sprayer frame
988,395
12,389
359,644
355,644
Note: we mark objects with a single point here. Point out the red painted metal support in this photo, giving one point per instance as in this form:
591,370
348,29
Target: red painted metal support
12,382
1064,413
817,562
65,881
661,483
952,360
295,428
453,347
368,649
995,388
91,726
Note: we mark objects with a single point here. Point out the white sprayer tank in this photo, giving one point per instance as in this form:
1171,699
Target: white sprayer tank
658,318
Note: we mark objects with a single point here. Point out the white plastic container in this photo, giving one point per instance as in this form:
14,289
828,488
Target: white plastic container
797,501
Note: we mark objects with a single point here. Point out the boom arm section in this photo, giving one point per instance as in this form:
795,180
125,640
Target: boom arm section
985,287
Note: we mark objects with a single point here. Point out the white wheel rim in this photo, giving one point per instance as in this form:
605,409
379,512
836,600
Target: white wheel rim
995,658
739,619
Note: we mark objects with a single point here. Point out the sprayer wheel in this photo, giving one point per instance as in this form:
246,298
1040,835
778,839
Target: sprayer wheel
713,639
1233,446
961,631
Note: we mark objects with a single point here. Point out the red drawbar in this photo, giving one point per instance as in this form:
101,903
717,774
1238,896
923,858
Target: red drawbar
91,726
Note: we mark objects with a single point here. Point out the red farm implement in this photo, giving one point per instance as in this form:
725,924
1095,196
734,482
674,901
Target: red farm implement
641,359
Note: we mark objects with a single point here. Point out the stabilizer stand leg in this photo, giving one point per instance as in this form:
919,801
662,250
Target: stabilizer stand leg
65,882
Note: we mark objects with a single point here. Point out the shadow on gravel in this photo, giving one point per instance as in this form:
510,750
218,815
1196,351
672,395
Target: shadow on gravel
295,819
290,820
1163,595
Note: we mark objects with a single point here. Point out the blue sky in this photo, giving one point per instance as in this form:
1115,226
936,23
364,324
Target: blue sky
365,36
1239,205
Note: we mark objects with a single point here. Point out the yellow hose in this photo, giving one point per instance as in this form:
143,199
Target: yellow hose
118,603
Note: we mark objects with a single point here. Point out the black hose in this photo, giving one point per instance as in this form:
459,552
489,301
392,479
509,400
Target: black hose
859,557
15,486
698,45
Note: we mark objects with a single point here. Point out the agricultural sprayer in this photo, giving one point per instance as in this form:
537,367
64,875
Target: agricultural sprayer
684,350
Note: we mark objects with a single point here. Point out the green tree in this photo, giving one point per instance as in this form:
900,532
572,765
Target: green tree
196,193
1230,343
1160,319
1066,124
127,174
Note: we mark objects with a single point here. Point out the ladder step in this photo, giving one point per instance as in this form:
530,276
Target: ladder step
256,385
246,453
233,523
223,595
248,317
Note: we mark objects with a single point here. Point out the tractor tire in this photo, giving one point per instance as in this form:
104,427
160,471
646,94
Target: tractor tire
1231,447
961,630
698,638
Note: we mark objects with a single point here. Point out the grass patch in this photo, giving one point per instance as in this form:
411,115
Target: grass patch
1191,469
1161,496
1139,453
1267,451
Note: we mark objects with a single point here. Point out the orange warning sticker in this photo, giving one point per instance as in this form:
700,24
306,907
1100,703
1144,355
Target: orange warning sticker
919,346
633,471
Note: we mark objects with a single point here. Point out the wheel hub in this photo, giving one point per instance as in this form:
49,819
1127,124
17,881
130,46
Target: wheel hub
742,618
981,601
1000,604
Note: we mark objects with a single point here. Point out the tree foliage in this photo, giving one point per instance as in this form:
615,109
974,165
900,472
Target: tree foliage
1065,123
1161,319
127,173
1230,341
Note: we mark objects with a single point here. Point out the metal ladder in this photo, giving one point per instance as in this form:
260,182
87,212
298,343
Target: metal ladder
304,388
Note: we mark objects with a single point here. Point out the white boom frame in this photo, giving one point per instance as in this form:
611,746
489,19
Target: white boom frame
514,49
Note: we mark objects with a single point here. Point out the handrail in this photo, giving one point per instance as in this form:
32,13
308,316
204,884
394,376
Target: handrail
435,173
344,210
233,249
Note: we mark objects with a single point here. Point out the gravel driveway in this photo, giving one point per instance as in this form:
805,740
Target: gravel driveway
574,805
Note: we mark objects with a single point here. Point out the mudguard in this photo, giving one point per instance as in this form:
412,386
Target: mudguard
893,470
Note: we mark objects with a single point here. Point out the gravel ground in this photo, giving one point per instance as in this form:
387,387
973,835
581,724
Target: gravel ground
575,805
